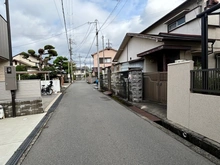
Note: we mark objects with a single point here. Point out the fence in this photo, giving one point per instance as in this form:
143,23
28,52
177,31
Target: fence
206,81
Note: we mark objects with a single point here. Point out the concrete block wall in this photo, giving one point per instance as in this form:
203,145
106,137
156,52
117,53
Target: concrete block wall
28,98
23,107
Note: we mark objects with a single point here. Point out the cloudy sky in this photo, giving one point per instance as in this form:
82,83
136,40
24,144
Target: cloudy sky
35,23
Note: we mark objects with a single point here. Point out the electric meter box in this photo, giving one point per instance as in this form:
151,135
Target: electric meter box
10,78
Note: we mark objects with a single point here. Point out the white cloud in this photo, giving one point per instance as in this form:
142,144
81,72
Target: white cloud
37,23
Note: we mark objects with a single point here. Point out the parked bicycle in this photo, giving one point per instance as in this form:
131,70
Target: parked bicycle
47,90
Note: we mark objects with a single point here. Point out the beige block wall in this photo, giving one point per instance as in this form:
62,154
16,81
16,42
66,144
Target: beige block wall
26,89
2,74
197,112
205,115
178,93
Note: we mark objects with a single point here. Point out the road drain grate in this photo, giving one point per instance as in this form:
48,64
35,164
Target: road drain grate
105,98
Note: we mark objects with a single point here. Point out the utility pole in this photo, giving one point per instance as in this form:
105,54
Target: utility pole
13,92
97,45
71,62
103,51
80,65
108,44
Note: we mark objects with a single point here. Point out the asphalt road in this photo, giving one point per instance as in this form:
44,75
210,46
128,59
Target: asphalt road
88,128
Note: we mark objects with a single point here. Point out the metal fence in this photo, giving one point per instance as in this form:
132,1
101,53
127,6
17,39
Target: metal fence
206,81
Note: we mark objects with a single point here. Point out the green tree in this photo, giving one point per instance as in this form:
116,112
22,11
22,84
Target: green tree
48,52
61,64
21,68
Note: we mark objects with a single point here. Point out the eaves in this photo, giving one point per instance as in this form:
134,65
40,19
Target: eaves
128,37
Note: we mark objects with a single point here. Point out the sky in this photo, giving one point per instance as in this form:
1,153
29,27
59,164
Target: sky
36,23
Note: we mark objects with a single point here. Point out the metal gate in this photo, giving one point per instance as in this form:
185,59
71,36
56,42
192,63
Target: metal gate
155,87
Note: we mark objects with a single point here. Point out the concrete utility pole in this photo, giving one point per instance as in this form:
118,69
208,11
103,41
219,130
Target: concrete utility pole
71,62
97,44
103,51
108,44
13,92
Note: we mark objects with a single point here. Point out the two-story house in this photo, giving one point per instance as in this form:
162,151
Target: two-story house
105,59
176,36
4,49
30,63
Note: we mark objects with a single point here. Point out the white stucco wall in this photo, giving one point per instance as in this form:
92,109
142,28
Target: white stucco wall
149,66
197,112
136,46
191,28
192,25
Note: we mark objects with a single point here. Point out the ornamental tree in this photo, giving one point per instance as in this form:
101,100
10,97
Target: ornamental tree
44,55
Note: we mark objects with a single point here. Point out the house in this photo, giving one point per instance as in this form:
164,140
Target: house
167,54
176,36
4,49
79,73
30,63
105,59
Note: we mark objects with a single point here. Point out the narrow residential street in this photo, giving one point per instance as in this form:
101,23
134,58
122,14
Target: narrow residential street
89,128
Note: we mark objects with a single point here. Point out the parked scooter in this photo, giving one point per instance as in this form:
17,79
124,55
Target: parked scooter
47,90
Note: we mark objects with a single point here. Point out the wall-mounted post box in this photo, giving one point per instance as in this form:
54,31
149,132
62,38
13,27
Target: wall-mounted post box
10,78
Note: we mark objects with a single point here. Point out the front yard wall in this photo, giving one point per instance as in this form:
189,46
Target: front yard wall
28,98
197,112
2,74
127,85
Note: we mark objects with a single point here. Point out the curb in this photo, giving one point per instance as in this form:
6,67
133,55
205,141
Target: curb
25,147
212,148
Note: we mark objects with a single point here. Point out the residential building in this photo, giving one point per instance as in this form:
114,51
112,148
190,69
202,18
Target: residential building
4,49
175,36
105,59
30,62
79,73
173,44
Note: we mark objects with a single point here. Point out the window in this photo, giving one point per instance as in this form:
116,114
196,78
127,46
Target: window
105,60
177,23
108,60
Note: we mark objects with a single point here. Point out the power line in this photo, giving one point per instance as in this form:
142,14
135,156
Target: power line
117,14
57,10
85,38
110,14
89,51
64,19
48,37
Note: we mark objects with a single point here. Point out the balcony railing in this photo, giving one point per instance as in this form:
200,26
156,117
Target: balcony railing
206,81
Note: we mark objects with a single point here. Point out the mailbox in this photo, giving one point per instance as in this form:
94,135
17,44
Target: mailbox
10,78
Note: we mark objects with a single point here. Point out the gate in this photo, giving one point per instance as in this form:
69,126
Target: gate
155,87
